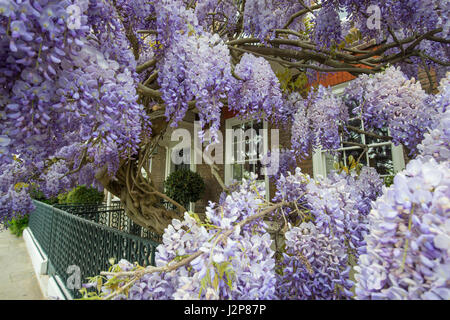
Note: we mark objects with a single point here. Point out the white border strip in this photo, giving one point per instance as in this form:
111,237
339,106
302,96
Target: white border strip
52,287
37,255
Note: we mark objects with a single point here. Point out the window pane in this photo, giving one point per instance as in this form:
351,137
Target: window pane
239,155
247,169
237,172
252,142
252,151
252,168
257,126
354,136
342,157
381,159
329,162
182,167
380,132
185,155
356,154
259,170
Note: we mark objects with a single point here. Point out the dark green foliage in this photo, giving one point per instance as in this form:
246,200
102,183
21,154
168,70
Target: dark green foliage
82,194
184,186
62,197
39,196
17,225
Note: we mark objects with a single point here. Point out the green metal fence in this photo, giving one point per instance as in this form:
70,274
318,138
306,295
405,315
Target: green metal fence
71,240
111,216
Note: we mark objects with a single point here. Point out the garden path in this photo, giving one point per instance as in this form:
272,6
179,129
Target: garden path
17,278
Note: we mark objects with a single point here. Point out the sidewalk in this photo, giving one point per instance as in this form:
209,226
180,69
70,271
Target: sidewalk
17,278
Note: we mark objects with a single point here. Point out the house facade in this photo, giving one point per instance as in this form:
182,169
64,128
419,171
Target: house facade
386,158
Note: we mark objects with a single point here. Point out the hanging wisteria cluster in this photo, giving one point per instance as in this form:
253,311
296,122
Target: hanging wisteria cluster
205,80
32,51
408,244
211,11
327,31
279,162
53,72
262,17
315,263
436,143
398,15
316,122
257,93
314,266
62,76
135,13
14,197
365,187
196,66
390,100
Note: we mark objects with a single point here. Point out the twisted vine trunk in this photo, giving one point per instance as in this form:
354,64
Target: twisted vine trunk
141,200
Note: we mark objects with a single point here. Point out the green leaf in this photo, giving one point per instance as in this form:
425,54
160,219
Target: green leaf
216,281
351,160
336,165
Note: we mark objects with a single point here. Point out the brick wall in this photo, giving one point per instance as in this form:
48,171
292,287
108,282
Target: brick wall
423,78
212,187
285,142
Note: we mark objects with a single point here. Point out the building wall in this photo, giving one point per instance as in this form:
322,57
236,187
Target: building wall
212,187
422,76
284,132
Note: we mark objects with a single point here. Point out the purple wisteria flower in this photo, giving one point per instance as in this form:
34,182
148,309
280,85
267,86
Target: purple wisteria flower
327,30
313,267
436,143
389,99
258,93
316,122
408,244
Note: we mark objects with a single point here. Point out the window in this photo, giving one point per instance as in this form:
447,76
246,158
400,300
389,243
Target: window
247,142
382,155
183,165
187,163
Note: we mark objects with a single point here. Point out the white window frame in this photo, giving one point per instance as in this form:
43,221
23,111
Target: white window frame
319,156
229,124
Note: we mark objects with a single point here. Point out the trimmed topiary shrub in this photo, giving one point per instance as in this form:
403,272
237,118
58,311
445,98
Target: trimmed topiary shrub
184,186
82,194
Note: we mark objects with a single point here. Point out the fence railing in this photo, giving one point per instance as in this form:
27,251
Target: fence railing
111,216
69,241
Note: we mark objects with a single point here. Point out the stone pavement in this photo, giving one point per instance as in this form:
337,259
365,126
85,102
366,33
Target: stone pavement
17,278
